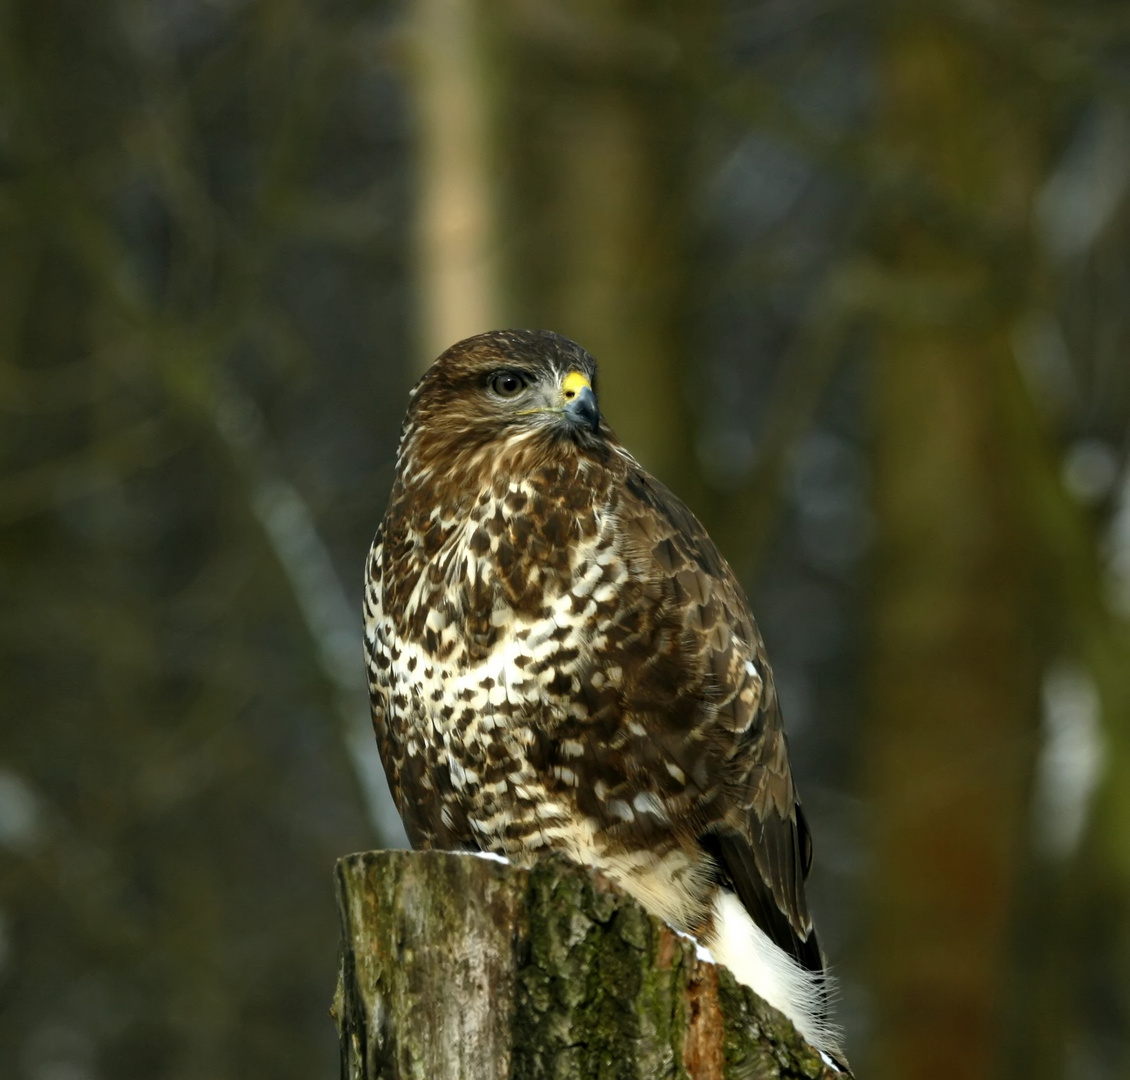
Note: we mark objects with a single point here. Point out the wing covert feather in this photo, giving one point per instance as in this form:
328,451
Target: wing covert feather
753,826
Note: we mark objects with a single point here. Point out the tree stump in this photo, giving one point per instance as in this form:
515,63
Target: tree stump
454,966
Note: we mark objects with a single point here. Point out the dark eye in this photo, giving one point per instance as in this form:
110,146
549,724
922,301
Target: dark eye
508,384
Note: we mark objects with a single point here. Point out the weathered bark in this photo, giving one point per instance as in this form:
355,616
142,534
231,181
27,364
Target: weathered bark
456,966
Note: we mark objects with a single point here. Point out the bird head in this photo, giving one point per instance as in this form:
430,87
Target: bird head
520,391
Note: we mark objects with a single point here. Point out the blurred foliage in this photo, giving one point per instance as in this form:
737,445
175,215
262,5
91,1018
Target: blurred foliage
810,243
201,254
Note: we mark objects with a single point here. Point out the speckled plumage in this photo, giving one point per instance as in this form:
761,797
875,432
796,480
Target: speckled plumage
561,660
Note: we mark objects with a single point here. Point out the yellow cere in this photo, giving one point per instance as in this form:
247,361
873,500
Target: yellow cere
573,384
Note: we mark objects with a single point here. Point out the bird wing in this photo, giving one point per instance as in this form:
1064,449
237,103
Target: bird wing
724,728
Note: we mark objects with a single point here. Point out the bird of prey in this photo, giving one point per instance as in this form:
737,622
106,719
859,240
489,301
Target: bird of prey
560,660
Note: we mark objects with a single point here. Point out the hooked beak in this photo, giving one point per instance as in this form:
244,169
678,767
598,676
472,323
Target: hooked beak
580,402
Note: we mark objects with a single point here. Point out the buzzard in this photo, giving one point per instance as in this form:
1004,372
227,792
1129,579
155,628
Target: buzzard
560,660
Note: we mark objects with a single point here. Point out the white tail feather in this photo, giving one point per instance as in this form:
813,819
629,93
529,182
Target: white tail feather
802,995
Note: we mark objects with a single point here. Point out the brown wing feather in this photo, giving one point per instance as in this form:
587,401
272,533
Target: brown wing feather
751,824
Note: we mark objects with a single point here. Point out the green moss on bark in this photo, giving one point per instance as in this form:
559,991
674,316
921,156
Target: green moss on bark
760,1041
457,967
590,998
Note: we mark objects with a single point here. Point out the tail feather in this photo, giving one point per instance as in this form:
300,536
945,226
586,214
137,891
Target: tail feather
802,995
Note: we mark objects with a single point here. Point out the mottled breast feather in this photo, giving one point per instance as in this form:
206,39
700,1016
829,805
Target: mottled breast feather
561,660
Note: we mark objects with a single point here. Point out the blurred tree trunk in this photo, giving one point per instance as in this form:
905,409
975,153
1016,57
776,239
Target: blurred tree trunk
456,217
1076,911
599,156
957,660
459,967
555,150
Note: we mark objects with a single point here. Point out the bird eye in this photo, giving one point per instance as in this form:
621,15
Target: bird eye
508,384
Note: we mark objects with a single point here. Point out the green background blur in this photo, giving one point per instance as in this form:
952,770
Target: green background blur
857,276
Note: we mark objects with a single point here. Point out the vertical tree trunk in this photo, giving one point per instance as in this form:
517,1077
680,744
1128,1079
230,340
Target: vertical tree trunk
956,659
555,151
456,221
459,967
598,153
1077,930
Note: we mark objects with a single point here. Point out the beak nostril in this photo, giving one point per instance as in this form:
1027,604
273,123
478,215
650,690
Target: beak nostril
570,394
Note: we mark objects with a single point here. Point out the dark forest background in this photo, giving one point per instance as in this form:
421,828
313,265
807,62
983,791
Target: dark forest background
857,275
